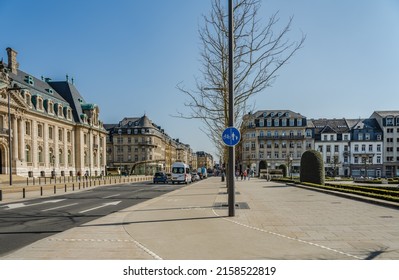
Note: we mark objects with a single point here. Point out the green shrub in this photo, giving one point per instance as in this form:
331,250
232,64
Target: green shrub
312,167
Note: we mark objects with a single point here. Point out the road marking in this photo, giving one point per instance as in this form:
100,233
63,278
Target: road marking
49,209
20,205
101,206
112,195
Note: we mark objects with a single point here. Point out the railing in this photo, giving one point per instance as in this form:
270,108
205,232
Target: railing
52,185
282,137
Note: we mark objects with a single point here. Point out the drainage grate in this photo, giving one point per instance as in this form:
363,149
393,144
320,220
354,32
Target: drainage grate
238,205
386,217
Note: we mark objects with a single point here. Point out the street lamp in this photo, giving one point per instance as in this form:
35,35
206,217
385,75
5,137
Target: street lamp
53,161
290,159
120,158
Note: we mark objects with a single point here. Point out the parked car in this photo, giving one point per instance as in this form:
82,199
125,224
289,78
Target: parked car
160,177
195,176
169,176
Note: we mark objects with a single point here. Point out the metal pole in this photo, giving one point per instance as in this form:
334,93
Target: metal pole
231,165
9,138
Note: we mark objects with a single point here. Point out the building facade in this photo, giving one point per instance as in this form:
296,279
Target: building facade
389,123
138,146
332,138
204,160
271,138
365,150
53,131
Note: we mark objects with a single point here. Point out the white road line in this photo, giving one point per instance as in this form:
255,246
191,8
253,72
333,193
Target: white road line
20,205
112,195
44,210
100,206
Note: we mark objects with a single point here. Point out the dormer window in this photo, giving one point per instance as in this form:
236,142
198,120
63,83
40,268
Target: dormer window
60,113
49,90
39,103
50,107
29,80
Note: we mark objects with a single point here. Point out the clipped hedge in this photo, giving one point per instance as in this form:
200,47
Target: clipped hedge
389,194
312,168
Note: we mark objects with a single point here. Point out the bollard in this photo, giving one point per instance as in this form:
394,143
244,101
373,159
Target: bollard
79,185
55,189
1,195
73,186
41,191
23,192
65,188
33,180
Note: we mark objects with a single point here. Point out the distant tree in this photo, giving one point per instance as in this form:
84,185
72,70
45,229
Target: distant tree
259,52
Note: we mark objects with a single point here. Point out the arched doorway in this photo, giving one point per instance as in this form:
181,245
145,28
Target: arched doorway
262,165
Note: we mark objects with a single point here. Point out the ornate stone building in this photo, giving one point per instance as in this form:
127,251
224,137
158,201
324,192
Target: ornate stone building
138,146
53,129
271,138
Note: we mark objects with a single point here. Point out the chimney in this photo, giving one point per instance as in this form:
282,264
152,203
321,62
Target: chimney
12,60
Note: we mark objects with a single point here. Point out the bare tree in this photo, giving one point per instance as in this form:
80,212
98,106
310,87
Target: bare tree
259,52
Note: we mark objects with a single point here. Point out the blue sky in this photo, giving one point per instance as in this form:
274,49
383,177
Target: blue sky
127,56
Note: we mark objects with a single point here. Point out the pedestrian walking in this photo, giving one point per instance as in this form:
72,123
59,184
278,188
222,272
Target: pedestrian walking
245,175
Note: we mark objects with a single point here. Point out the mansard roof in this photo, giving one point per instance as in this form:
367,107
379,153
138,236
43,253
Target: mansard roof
276,114
330,126
364,124
384,114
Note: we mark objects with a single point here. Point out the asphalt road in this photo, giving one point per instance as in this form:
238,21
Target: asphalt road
22,223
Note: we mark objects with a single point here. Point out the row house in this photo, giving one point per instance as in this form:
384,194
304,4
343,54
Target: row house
46,127
271,138
389,123
138,146
349,147
204,159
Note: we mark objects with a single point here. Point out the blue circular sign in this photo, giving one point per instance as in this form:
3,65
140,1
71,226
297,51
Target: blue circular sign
231,136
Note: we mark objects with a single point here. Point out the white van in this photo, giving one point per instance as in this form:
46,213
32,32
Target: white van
181,173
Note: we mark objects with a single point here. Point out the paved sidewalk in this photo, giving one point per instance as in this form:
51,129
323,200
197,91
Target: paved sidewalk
282,222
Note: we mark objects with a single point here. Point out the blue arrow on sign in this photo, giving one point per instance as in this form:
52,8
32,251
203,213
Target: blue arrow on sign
231,136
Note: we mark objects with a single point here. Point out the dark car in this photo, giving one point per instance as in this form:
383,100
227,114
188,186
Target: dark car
160,177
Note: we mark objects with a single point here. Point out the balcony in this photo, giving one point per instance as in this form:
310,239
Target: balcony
282,137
